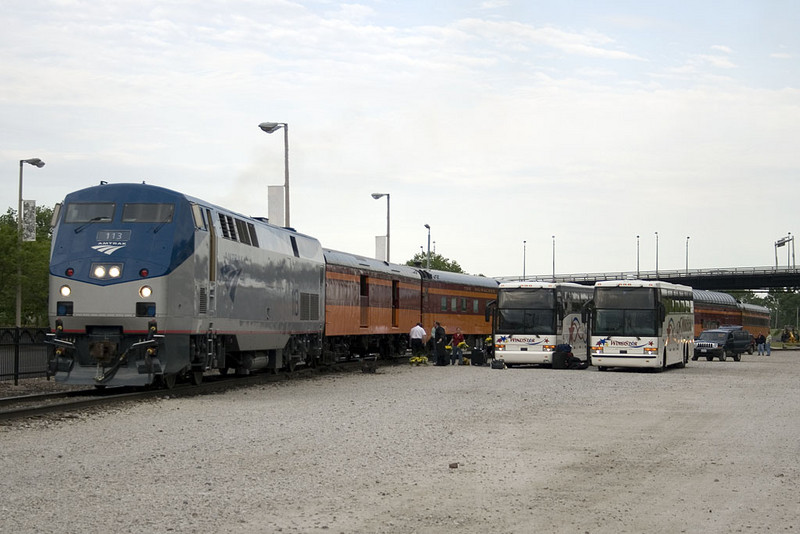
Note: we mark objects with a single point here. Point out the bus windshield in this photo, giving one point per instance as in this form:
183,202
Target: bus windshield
625,311
528,321
526,311
526,298
625,298
633,323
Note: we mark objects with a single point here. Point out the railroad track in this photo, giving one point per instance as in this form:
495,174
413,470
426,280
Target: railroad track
31,406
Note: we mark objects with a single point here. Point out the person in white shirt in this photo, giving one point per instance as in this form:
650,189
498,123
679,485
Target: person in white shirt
417,334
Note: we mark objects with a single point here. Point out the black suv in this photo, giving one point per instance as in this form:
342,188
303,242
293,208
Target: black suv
723,342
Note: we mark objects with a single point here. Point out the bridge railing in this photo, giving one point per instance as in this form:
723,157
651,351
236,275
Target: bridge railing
653,275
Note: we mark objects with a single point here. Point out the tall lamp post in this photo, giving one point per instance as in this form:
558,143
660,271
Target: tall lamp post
524,250
428,263
270,127
656,255
554,258
376,196
36,162
687,254
637,256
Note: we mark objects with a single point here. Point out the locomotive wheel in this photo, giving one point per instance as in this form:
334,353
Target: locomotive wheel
196,377
168,380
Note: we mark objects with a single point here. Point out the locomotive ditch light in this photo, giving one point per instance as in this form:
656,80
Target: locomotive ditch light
145,292
99,271
65,291
114,271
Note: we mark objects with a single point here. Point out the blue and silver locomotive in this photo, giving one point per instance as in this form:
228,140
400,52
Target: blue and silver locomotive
148,285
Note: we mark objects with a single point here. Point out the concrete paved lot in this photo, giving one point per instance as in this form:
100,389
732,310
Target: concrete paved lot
714,447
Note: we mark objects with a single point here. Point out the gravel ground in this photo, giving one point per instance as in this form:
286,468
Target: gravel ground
710,448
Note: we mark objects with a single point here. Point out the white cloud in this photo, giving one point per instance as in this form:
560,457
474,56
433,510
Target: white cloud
492,131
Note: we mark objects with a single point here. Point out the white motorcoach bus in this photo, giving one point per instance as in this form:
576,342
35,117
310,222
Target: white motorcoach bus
532,318
637,323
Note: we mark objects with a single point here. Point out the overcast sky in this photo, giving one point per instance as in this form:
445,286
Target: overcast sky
495,122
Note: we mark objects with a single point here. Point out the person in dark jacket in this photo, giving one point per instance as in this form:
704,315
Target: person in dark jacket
439,341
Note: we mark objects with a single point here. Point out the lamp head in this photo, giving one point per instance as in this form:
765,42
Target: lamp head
427,226
270,127
34,161
376,196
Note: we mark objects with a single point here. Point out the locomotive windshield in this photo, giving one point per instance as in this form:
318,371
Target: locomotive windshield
147,213
83,212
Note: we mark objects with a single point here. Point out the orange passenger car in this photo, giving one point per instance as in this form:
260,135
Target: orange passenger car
371,305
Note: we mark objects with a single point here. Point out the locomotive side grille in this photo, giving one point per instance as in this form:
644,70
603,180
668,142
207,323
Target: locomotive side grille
203,304
309,307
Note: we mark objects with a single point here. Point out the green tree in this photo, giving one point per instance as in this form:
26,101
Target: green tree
438,262
785,306
35,259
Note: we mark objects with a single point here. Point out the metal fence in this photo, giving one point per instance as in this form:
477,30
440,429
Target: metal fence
23,353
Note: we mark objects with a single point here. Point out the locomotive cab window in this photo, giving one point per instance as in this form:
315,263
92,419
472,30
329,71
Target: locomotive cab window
148,213
199,220
82,212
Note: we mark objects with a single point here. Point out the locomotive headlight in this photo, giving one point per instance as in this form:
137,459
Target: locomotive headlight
103,271
145,292
65,291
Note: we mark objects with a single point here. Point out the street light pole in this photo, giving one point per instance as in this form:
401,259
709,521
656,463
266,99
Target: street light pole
524,250
656,255
637,256
687,254
428,263
554,258
37,163
376,196
270,127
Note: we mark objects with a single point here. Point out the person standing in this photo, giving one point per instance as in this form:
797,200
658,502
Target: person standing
768,344
417,334
457,353
760,342
439,337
